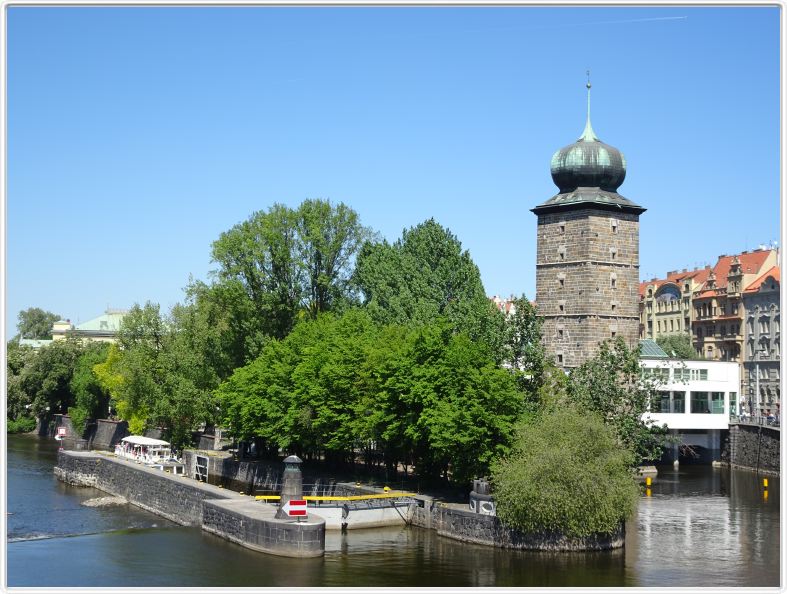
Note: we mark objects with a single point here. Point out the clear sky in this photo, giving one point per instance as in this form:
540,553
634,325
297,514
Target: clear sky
137,135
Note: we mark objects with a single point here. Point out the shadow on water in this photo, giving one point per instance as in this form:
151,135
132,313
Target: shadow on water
699,527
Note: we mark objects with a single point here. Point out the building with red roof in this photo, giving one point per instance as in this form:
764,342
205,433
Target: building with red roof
711,304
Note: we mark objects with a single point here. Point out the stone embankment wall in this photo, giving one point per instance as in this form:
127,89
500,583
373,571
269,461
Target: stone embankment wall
234,520
471,527
192,503
755,447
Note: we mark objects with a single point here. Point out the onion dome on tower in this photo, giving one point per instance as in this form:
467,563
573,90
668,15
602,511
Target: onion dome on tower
588,172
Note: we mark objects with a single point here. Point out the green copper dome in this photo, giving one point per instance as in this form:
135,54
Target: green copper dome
588,174
588,163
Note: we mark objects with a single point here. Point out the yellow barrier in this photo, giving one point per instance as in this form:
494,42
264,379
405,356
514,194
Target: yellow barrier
345,498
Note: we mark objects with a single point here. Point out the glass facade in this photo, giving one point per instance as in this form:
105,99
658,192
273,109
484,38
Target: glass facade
699,402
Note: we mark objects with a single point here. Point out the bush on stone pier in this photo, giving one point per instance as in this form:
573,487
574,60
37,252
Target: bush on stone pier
566,474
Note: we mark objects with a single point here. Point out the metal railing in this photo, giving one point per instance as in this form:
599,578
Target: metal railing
756,420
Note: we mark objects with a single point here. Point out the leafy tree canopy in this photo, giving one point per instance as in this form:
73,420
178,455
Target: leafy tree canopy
36,323
285,263
612,385
339,385
425,275
567,474
678,346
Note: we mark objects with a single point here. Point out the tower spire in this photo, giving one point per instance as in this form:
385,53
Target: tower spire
588,135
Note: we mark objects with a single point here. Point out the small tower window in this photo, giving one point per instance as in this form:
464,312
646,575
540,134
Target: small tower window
561,252
614,225
613,305
613,253
560,357
613,280
562,226
560,332
561,305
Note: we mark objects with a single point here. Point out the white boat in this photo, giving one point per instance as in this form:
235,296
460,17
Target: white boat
145,450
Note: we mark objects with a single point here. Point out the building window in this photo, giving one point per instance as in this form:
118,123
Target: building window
717,403
560,332
560,357
734,309
561,252
699,402
562,225
613,252
614,225
678,402
613,306
561,307
663,400
613,334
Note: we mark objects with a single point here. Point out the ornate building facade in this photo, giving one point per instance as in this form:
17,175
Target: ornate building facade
587,260
762,350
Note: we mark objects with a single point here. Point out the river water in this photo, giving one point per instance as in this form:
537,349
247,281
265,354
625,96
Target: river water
700,527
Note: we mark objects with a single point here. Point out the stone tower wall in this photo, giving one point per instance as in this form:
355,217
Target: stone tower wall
587,261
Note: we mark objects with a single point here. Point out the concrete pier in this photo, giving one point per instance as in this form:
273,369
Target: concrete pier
222,512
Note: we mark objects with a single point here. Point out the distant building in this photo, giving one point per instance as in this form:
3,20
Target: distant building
665,304
762,333
587,260
505,305
104,328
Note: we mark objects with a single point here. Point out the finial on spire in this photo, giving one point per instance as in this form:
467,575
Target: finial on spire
588,135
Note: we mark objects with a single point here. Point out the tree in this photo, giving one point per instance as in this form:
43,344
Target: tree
284,263
91,399
567,474
341,384
46,379
160,373
523,351
612,385
18,358
426,275
678,346
36,323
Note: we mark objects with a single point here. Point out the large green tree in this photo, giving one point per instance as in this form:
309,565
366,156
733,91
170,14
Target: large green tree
283,263
91,399
161,373
35,322
46,380
612,385
18,358
425,275
337,386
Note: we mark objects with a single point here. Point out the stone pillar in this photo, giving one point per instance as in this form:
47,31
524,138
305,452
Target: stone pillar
292,483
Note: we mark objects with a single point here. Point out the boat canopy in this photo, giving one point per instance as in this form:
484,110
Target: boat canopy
145,441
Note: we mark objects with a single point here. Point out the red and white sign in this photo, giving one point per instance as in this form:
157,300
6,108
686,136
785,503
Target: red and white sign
295,507
61,431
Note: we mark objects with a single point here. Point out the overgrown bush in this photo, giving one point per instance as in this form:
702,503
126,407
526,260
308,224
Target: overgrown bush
20,425
567,473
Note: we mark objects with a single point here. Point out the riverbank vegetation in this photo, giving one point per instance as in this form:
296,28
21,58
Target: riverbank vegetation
313,336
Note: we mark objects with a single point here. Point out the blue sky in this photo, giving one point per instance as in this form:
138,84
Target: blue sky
137,135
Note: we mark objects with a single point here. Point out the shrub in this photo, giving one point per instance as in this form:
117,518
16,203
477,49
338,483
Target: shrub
20,425
568,474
